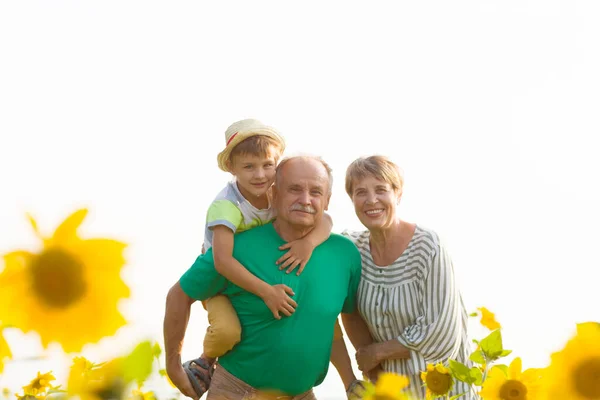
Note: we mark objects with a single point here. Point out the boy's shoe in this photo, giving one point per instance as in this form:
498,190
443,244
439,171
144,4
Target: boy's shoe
199,372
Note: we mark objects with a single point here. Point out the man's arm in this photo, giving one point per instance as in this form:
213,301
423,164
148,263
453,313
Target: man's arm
340,358
177,315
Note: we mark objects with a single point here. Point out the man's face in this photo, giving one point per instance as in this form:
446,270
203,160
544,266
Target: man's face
301,194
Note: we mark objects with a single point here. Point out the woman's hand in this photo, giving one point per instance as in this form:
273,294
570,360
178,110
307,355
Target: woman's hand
373,374
368,357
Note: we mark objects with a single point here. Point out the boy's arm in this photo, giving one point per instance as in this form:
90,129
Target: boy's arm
301,249
276,297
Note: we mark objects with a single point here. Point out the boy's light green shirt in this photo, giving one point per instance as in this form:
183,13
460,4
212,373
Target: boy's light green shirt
231,209
292,354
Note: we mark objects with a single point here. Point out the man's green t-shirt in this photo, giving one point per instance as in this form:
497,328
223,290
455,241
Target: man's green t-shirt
291,354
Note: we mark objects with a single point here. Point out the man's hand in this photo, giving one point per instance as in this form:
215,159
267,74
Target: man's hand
278,299
180,379
367,357
299,254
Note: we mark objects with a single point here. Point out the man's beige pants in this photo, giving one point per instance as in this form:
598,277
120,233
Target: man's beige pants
225,386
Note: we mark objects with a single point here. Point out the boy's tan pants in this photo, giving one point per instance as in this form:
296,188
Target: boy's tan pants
224,330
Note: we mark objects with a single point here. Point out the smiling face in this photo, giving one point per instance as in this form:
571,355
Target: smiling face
375,202
301,194
254,174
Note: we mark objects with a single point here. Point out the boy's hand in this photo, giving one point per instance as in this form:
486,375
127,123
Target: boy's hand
299,254
278,300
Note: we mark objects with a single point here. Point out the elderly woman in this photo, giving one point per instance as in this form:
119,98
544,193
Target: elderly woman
408,297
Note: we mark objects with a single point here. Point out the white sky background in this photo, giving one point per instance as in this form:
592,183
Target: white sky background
490,107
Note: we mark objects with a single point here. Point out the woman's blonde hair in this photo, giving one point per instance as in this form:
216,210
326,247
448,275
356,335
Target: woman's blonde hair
379,167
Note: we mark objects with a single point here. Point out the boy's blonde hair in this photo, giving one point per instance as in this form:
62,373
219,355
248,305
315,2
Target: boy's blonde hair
258,145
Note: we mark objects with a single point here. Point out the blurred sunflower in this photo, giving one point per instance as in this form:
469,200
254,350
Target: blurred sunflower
574,372
69,281
516,385
389,387
5,352
438,381
488,319
104,381
39,385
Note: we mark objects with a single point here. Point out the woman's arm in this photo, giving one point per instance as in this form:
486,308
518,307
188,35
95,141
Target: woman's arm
436,334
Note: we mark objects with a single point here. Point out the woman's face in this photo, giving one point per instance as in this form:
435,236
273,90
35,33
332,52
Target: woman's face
375,202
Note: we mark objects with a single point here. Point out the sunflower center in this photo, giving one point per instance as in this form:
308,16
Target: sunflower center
513,390
587,378
58,278
438,383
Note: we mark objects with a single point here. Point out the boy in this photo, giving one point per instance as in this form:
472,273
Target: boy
251,154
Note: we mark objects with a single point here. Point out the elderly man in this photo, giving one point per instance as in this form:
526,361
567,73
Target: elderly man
276,359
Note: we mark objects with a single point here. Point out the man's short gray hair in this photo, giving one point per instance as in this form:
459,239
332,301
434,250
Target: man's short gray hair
306,157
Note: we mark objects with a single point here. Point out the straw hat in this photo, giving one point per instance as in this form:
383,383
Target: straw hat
238,131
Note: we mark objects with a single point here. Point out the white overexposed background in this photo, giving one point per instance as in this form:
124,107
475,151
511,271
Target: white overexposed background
490,107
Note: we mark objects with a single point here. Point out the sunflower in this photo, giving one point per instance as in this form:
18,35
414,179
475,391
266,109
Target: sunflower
70,281
4,350
516,386
438,381
488,319
574,372
389,387
39,385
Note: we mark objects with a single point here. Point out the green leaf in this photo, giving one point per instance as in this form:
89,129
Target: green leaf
457,396
477,376
505,353
492,345
156,350
502,367
473,314
460,371
137,366
477,357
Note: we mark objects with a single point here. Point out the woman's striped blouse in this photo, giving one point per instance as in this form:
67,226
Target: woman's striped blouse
416,301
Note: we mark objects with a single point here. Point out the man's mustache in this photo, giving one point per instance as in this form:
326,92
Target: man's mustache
306,209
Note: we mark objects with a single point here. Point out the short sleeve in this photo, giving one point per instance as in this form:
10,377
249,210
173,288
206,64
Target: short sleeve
224,212
202,281
352,235
355,272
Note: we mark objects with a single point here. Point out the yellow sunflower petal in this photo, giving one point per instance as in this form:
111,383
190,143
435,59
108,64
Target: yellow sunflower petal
514,369
68,228
34,226
441,369
390,384
488,319
5,352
